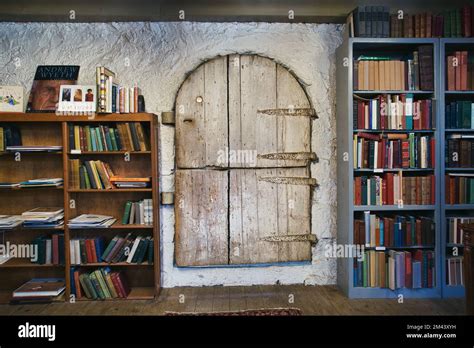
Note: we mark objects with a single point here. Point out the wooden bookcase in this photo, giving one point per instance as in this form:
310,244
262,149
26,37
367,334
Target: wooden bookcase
447,47
347,210
50,129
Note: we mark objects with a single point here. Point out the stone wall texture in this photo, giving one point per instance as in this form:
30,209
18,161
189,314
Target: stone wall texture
159,56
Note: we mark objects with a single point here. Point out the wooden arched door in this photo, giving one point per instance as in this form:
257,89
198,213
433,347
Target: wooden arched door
243,186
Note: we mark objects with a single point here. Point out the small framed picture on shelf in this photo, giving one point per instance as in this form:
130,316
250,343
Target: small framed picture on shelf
12,99
77,98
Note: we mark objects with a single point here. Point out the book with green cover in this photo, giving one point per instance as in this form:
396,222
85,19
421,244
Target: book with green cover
87,286
112,138
88,138
466,114
126,213
411,139
109,247
93,139
99,139
103,284
150,251
96,285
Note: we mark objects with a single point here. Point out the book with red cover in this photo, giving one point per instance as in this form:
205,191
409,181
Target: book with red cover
451,72
88,250
357,191
466,21
463,68
77,284
94,251
408,270
405,154
429,25
433,189
389,179
115,281
457,69
55,248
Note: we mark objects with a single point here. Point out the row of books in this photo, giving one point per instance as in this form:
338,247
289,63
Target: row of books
396,269
459,188
394,112
455,271
394,231
453,23
404,151
50,250
90,175
9,136
369,21
459,114
455,232
394,189
460,151
116,98
100,284
459,71
386,73
128,249
376,21
127,136
138,213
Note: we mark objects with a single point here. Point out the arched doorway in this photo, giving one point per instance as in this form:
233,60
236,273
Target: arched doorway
243,149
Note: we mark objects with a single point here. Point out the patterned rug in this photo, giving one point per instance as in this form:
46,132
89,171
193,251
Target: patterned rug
249,312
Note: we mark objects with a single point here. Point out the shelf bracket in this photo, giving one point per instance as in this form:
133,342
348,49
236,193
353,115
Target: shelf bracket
167,117
167,198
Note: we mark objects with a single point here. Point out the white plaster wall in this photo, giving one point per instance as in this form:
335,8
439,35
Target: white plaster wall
158,56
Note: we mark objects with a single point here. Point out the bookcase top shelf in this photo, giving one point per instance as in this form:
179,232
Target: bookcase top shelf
52,117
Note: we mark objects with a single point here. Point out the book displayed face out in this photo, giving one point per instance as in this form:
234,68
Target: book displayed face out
44,94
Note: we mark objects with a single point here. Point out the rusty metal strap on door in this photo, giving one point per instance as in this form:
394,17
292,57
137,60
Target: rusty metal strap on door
291,238
289,180
305,112
289,156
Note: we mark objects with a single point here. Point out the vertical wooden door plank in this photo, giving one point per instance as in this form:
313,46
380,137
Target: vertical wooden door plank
190,125
216,120
235,124
294,132
201,217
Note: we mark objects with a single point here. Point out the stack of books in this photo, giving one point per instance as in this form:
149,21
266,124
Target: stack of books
113,97
127,136
9,136
90,175
43,217
395,269
44,182
384,73
460,71
394,189
369,21
9,185
33,148
460,114
459,188
397,111
39,290
10,221
394,231
393,151
91,221
50,249
122,182
138,213
460,151
101,284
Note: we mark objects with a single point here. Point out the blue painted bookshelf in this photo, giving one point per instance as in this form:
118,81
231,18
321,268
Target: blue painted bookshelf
447,47
347,211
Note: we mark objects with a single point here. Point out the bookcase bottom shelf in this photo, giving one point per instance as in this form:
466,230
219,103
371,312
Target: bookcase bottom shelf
358,292
454,291
136,293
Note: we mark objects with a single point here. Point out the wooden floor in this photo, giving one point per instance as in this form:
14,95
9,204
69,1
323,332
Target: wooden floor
312,300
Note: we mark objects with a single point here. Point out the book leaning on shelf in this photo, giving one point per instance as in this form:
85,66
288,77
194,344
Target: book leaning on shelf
100,284
394,189
126,136
386,73
115,98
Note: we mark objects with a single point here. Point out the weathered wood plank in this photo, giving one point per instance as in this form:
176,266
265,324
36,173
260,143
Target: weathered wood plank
201,217
263,210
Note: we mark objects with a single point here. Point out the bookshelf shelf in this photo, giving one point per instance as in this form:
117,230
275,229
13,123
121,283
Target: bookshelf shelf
136,293
393,207
459,169
460,92
49,128
459,130
347,93
111,190
459,206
